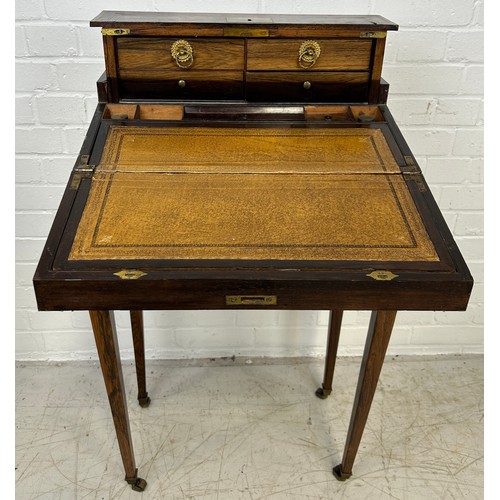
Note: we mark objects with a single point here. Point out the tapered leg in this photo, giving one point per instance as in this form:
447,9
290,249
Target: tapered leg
140,362
331,353
106,341
379,333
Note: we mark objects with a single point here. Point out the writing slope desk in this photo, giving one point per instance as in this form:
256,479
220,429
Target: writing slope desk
246,162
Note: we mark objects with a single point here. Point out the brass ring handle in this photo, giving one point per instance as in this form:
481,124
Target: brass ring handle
183,54
309,52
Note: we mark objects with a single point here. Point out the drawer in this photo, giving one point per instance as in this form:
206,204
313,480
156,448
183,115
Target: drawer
155,53
334,55
181,84
325,86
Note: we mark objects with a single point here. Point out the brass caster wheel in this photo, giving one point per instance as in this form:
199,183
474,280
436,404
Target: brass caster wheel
137,483
144,402
341,476
323,393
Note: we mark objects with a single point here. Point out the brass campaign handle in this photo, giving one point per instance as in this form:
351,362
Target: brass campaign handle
183,54
309,52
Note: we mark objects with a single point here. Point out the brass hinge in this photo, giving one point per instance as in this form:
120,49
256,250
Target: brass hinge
372,34
418,179
411,164
115,31
415,172
82,171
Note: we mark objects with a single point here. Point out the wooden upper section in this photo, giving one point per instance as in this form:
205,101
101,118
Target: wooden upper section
239,57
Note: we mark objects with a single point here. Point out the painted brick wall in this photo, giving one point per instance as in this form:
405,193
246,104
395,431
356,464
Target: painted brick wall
435,67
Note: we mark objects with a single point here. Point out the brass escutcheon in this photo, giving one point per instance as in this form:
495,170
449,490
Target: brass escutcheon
382,275
309,52
183,54
130,274
264,300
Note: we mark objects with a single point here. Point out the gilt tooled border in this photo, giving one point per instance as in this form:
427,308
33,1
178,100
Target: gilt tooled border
117,135
388,178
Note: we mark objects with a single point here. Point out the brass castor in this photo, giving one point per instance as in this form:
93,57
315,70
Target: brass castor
137,483
144,402
341,476
323,393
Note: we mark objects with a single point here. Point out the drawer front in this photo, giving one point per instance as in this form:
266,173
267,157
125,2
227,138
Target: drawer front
307,86
156,53
334,55
181,84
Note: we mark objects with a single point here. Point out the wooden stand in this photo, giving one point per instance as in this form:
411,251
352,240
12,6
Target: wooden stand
379,333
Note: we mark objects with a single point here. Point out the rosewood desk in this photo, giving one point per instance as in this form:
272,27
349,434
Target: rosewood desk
241,162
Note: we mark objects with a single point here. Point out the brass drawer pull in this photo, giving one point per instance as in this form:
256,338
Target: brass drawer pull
309,53
183,54
307,85
181,83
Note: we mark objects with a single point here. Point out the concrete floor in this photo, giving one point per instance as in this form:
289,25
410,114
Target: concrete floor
252,429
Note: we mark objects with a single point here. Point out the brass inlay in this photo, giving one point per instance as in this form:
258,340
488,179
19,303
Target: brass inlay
309,51
246,32
372,34
115,31
183,53
265,300
382,275
130,274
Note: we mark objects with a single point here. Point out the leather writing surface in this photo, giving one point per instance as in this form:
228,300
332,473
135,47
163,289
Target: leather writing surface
287,150
222,193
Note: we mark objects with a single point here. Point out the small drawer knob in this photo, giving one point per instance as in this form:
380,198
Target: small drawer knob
307,85
181,83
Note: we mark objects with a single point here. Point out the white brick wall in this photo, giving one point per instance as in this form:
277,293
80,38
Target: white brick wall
434,66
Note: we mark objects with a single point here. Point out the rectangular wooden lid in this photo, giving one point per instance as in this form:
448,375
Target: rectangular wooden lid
112,18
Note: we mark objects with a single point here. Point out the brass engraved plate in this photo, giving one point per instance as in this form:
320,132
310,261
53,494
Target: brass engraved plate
382,275
130,274
264,300
246,32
